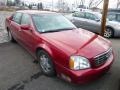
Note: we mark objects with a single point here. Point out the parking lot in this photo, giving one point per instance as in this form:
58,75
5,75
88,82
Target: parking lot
19,72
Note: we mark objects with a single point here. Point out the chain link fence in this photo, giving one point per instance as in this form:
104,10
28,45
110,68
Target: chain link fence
3,32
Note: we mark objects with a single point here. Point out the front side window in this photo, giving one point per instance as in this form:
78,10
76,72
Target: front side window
112,17
91,16
25,19
118,17
52,22
17,17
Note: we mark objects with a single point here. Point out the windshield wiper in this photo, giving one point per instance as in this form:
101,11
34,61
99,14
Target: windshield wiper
57,30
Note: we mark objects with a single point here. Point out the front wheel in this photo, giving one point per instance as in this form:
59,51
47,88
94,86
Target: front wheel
10,37
45,63
109,33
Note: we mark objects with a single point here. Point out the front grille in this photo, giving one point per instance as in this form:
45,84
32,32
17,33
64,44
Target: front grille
102,58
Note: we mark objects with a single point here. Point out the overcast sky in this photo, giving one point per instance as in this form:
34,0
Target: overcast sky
112,3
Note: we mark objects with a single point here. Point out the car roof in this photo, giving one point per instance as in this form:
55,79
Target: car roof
92,12
89,12
113,13
36,12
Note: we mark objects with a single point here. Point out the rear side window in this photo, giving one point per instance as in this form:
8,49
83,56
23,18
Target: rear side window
25,19
17,17
79,14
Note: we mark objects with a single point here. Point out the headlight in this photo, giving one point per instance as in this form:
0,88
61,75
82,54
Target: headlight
117,26
78,62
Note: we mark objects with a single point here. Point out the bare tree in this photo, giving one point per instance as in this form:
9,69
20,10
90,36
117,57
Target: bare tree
62,5
94,3
90,3
118,3
82,2
59,3
98,3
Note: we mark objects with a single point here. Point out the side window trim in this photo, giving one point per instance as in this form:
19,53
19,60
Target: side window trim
22,17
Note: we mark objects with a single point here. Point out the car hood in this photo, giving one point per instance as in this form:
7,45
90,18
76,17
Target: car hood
78,42
113,23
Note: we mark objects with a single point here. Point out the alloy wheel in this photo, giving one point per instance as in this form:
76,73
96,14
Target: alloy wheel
44,63
108,33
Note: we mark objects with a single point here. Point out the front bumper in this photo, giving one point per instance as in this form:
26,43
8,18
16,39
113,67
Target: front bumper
87,75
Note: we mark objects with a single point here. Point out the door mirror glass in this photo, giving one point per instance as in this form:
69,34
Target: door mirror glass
97,20
25,27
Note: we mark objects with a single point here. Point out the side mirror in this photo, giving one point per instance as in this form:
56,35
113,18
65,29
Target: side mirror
25,27
97,20
10,18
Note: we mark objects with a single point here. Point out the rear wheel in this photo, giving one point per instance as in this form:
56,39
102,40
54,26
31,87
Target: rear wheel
109,33
45,63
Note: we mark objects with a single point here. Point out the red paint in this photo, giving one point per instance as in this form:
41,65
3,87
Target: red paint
61,45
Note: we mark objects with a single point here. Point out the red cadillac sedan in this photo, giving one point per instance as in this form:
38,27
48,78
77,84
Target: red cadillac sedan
76,55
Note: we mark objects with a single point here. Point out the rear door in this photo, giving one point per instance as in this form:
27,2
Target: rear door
15,25
79,19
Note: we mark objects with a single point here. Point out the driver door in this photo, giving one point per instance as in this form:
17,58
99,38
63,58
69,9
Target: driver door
91,23
27,36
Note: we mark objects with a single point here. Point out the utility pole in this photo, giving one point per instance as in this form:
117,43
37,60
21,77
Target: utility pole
104,16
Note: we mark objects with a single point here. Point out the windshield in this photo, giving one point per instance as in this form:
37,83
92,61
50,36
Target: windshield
52,22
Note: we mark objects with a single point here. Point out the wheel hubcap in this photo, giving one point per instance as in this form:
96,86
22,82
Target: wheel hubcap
44,62
108,33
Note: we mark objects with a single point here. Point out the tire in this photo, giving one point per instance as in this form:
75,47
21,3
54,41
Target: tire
45,63
10,37
109,33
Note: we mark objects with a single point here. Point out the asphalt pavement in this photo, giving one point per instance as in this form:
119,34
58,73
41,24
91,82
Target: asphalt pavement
19,72
3,32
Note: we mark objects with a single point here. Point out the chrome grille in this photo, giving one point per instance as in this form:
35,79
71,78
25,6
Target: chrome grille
102,58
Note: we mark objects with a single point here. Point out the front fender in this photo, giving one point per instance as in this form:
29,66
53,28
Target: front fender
44,47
